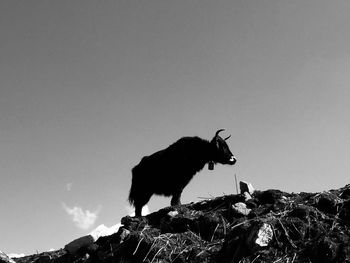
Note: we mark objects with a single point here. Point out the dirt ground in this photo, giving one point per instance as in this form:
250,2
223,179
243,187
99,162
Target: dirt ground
268,226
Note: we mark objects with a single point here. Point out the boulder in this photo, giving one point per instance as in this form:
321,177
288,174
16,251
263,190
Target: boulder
43,259
270,196
344,212
327,203
78,244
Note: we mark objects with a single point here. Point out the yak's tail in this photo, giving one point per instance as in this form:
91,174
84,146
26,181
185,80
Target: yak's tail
131,196
132,192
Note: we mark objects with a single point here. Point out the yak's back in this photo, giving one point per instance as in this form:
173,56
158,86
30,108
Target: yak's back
181,155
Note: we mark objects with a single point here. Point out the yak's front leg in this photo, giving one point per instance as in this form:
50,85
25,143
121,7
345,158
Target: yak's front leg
175,200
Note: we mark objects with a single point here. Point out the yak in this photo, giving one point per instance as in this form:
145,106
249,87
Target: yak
168,171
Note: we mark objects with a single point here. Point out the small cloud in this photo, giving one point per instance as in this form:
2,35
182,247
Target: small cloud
82,219
69,186
131,211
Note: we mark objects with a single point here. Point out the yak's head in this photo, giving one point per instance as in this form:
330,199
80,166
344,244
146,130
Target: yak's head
222,153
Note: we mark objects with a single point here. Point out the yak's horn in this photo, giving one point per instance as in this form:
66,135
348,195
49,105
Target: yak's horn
217,133
227,137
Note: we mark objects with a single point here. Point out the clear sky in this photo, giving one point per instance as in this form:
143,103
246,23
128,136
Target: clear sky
89,87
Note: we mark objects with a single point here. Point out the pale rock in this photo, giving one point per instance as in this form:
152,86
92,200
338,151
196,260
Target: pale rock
247,196
241,208
264,236
173,213
124,234
246,187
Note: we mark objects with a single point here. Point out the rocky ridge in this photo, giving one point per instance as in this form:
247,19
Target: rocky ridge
254,226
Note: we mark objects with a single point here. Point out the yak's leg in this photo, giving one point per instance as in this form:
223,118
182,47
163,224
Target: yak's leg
175,200
138,210
142,200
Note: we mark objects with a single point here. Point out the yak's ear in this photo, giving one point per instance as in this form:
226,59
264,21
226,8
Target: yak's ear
215,142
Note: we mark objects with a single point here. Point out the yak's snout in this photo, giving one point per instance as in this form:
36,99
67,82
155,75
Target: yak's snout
232,160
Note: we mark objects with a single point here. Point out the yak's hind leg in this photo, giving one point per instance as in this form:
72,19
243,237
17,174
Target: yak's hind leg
138,210
175,200
140,202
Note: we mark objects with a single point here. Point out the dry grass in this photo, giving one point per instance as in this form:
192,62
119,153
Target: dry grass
169,247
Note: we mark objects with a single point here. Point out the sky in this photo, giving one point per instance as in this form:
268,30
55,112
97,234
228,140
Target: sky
89,87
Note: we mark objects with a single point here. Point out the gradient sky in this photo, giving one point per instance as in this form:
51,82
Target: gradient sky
89,87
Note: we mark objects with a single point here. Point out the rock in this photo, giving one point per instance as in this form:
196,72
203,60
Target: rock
325,251
264,236
134,222
247,196
209,227
176,224
301,212
173,213
327,203
271,196
78,244
252,203
345,194
246,187
241,209
247,238
43,259
124,234
235,246
344,212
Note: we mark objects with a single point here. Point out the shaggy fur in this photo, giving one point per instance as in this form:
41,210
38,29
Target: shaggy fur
168,171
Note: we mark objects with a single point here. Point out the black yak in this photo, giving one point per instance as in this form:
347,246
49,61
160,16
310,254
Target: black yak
168,171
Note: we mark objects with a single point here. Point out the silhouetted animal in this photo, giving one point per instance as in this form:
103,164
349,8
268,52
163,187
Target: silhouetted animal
168,171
